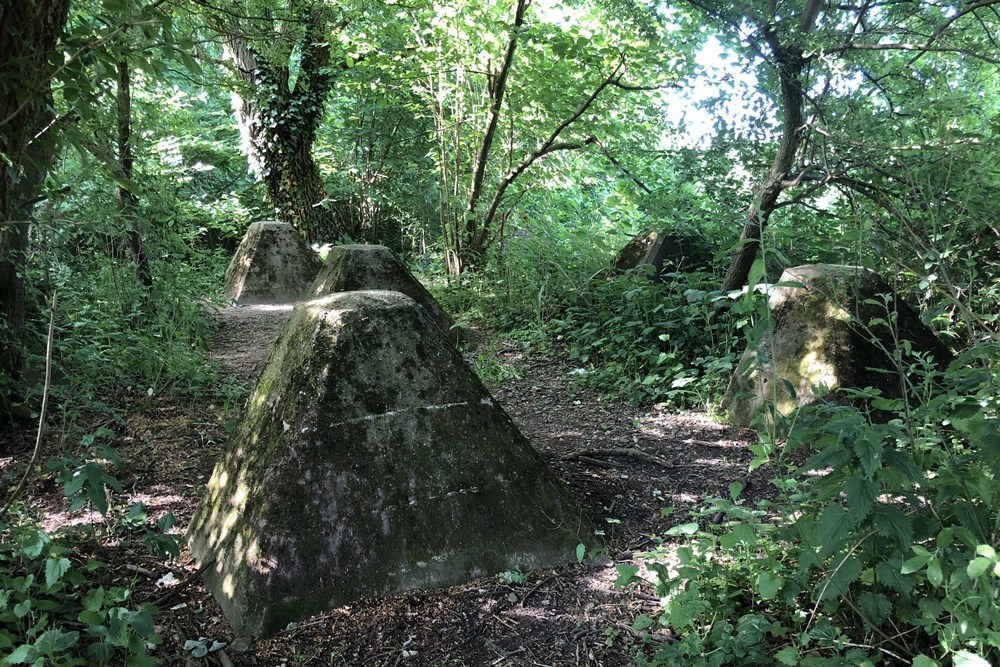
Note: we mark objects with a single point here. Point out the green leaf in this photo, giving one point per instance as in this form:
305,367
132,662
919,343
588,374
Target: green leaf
642,622
581,551
891,522
768,585
840,579
787,656
934,573
626,574
977,566
889,574
22,654
875,606
683,529
915,564
740,535
923,661
834,524
968,659
862,495
868,448
986,551
756,273
55,568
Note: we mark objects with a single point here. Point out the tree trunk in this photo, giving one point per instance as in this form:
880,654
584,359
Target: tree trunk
791,62
128,202
469,252
278,123
30,32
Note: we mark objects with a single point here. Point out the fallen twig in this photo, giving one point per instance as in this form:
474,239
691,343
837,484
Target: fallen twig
630,452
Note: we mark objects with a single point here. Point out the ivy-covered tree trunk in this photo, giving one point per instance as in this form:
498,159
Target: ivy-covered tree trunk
279,120
28,33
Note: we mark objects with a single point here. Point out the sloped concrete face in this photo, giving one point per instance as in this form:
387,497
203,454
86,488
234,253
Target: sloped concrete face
355,267
664,250
273,264
826,332
371,461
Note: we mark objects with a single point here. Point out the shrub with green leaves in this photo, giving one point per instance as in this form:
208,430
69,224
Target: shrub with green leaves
649,342
883,543
54,609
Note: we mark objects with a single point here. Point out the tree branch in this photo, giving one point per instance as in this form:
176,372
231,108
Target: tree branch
546,148
497,89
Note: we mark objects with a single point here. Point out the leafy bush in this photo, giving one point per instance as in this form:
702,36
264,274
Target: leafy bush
883,543
649,342
55,611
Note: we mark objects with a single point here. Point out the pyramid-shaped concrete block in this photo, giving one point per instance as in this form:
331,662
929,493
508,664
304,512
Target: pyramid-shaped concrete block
355,267
830,330
371,461
273,264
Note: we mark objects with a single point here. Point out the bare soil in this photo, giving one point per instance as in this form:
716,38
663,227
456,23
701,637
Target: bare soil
635,471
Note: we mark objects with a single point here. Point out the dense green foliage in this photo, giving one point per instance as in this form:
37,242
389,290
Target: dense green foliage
388,123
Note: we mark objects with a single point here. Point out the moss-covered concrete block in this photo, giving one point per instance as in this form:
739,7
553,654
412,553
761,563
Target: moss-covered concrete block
665,250
358,266
371,460
831,329
273,264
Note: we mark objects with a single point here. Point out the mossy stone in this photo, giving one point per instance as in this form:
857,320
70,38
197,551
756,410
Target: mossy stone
371,460
829,330
273,264
359,266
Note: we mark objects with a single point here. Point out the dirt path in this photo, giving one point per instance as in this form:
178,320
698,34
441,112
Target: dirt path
624,464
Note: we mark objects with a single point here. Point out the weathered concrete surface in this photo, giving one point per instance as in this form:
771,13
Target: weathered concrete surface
273,264
665,251
371,461
373,267
827,333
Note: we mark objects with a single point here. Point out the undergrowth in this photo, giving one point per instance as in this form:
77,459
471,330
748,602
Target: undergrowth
116,345
879,549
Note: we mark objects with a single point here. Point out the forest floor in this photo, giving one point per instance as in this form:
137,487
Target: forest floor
635,471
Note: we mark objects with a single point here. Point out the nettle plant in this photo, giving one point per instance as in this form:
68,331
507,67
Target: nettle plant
881,547
651,342
57,607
